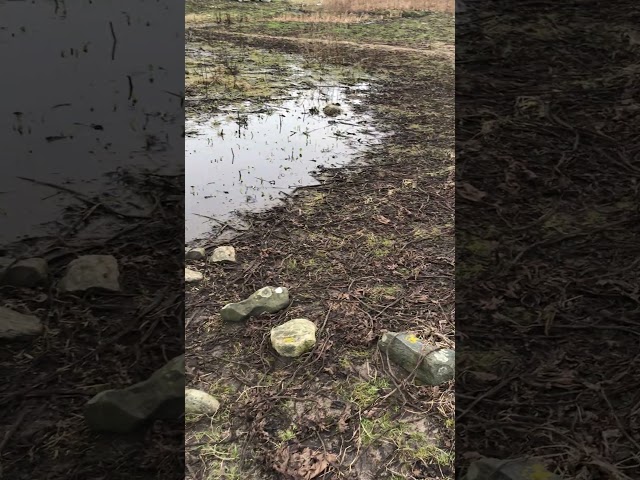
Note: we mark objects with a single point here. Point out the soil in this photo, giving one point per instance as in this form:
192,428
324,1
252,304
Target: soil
96,341
547,237
368,249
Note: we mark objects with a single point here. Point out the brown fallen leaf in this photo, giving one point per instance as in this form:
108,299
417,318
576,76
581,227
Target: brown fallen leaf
468,191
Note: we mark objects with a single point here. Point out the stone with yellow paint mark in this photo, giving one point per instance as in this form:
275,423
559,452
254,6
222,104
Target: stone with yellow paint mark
293,338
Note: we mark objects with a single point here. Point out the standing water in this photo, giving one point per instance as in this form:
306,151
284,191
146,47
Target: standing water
245,161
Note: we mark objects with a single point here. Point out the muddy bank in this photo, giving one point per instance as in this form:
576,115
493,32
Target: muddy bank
369,248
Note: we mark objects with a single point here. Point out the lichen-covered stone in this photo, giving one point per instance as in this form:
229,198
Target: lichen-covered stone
293,338
225,253
199,402
91,271
508,470
16,325
161,396
265,300
30,272
434,366
192,276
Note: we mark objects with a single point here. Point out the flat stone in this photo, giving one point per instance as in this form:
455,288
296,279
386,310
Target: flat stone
195,254
27,273
192,276
265,300
225,253
91,271
436,366
16,325
160,397
199,402
509,470
293,338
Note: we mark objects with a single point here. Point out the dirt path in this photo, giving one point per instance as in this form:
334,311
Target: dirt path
438,49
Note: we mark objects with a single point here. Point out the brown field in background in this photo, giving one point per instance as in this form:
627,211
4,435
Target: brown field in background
359,6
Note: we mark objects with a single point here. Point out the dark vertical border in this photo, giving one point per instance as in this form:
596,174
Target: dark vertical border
547,236
92,129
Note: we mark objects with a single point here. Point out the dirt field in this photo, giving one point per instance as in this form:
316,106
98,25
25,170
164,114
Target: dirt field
367,249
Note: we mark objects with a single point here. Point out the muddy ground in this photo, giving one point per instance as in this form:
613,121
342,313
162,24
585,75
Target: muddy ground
95,341
369,248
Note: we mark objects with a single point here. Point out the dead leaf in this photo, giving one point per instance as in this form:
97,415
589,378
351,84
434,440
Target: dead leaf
383,220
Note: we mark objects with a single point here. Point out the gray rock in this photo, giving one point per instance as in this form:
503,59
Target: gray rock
195,254
199,402
332,110
16,325
265,300
436,366
191,276
508,470
5,263
161,396
225,253
27,273
293,338
91,271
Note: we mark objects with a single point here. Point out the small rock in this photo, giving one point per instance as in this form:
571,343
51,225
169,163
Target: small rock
161,396
508,470
199,402
5,263
332,110
225,253
293,338
91,271
265,300
191,276
195,254
407,350
15,325
27,273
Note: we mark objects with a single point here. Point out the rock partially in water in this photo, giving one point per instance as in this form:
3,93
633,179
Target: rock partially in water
160,397
293,338
27,273
434,366
225,253
508,470
199,402
332,110
265,300
195,254
192,276
17,325
91,271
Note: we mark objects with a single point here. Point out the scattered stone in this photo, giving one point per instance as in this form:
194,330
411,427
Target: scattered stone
5,263
91,271
225,253
160,397
195,254
436,365
191,276
293,338
15,325
332,110
265,300
27,273
199,402
508,470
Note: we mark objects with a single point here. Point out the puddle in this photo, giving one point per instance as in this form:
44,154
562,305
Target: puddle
94,122
244,160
